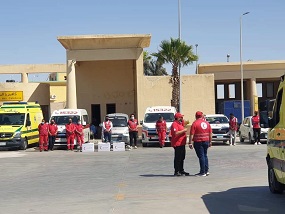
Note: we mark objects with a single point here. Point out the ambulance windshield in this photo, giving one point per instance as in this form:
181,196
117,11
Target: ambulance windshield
119,121
12,119
153,117
63,120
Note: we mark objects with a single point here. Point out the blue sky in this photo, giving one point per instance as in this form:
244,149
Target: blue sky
29,28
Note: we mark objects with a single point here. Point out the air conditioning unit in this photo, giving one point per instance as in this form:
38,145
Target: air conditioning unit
52,97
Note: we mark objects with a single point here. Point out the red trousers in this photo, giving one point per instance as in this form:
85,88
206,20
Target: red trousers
80,139
161,137
43,142
70,141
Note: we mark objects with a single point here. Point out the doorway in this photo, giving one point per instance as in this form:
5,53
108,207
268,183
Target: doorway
96,114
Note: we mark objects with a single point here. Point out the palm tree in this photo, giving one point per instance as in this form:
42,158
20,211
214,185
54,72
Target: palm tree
151,67
177,53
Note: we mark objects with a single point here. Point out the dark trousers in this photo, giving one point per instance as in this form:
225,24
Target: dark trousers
107,136
133,138
256,134
51,141
179,156
201,149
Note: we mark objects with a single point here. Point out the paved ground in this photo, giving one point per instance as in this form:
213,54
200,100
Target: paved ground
137,181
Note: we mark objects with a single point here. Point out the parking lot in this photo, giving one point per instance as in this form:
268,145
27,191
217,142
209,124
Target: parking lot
137,181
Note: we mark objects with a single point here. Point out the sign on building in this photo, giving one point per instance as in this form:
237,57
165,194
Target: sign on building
11,95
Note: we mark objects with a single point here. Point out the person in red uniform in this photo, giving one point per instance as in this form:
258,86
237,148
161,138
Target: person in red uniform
70,134
201,135
256,128
43,132
178,142
133,131
233,129
79,135
161,130
52,132
107,129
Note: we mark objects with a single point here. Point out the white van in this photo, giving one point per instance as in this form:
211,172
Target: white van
148,124
61,118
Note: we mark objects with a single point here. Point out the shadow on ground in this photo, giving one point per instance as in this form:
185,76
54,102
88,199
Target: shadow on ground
245,200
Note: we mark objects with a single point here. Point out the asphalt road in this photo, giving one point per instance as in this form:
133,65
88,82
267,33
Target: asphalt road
137,181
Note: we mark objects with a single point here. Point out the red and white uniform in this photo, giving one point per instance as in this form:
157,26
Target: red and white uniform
107,126
52,128
133,125
201,130
233,124
70,135
161,131
177,140
43,133
255,122
79,134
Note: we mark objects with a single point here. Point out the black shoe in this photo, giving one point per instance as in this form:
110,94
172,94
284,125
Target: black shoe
184,173
177,174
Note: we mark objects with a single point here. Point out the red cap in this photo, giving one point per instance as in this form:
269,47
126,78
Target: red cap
199,114
178,115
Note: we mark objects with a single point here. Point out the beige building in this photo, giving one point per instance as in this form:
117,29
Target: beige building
261,80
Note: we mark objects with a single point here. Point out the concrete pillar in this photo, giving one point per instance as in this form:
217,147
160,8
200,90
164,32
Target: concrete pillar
24,78
71,96
253,95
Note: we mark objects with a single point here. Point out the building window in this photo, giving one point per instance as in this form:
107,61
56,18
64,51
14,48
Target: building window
221,91
269,89
259,89
232,91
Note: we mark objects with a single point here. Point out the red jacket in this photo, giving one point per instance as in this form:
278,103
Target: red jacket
43,129
70,129
79,129
161,126
133,125
233,124
201,130
52,128
255,122
177,140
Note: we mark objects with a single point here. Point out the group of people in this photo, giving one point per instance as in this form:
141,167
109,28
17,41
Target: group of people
132,126
200,139
233,127
48,132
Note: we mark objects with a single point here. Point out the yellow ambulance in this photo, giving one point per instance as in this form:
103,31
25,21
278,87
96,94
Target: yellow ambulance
19,124
276,142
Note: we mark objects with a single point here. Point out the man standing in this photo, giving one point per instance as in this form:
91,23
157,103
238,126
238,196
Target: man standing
43,132
133,130
256,128
233,129
79,135
178,142
107,129
52,132
70,134
201,135
161,130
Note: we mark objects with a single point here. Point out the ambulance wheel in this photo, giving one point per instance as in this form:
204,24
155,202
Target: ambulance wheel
241,139
144,144
250,138
274,186
24,144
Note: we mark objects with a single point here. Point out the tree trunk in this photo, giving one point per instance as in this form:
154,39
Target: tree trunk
175,88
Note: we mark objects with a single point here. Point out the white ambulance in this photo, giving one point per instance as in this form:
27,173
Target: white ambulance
61,118
152,114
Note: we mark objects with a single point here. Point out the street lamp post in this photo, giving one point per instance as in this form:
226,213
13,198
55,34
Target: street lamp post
196,45
179,70
241,68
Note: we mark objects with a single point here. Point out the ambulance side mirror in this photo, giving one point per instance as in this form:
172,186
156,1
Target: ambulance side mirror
141,122
101,124
28,123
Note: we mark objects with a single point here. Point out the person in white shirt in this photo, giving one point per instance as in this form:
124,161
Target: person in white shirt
107,129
